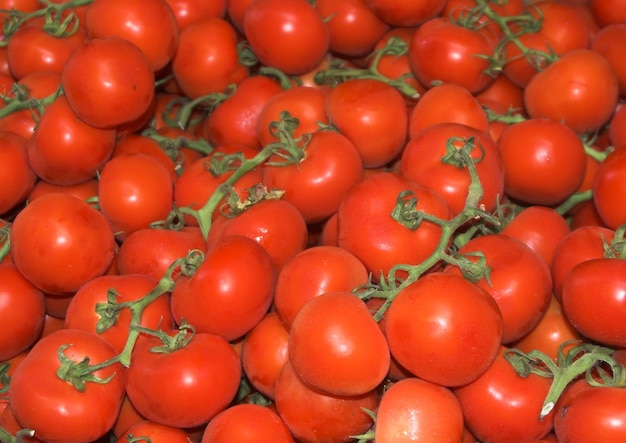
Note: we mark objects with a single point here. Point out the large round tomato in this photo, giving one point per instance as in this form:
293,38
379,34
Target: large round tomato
59,243
608,189
608,42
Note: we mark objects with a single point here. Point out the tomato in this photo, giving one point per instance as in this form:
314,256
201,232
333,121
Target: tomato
353,26
189,11
607,11
210,62
519,67
312,272
17,177
579,245
127,417
444,329
275,224
608,189
460,9
503,92
217,299
539,227
421,162
417,410
544,161
135,190
235,120
366,229
406,13
151,25
373,115
108,81
66,151
316,185
503,406
32,49
202,379
264,352
617,127
137,143
433,107
84,191
22,310
59,243
155,432
246,422
56,409
607,42
441,51
577,83
563,25
289,35
313,416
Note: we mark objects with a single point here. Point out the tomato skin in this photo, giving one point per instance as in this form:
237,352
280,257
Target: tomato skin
417,410
563,25
406,13
59,243
189,11
217,293
617,127
55,409
17,178
544,161
198,387
373,115
151,25
608,11
104,92
136,143
247,422
289,35
433,339
578,82
608,190
22,310
156,432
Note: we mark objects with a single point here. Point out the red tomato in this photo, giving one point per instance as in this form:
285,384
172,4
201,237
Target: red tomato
366,229
617,127
606,12
544,161
608,189
502,406
504,92
608,42
84,191
202,379
149,24
313,416
108,82
417,410
580,88
406,12
289,35
316,185
22,311
135,190
519,68
432,327
136,143
66,151
217,299
246,422
155,432
59,243
563,25
210,62
127,417
373,115
17,178
421,162
54,408
189,11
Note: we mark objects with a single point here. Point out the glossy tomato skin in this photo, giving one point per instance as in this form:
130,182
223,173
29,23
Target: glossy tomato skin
55,409
104,92
286,34
608,42
417,410
435,340
203,377
59,243
17,178
189,11
406,13
156,432
608,191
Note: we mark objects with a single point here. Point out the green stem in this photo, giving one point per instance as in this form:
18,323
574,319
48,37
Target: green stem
17,104
574,200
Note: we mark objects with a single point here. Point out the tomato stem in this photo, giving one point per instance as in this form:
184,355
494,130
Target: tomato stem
23,101
574,200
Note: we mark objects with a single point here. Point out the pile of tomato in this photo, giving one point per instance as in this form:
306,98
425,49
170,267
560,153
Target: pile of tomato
312,221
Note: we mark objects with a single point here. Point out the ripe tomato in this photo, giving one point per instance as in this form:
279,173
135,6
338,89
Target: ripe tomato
84,191
149,24
421,162
59,243
54,408
210,62
417,410
444,329
247,422
607,11
155,432
17,178
608,189
137,143
406,13
135,190
22,310
313,416
617,127
580,88
503,92
544,161
289,35
367,230
189,11
563,25
520,68
202,379
217,299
